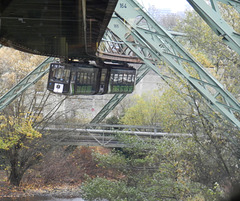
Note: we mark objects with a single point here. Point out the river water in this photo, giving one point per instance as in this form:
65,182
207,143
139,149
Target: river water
39,198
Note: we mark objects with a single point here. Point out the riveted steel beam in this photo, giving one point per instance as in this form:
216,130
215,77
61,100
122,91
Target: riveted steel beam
233,3
143,35
213,18
117,98
26,82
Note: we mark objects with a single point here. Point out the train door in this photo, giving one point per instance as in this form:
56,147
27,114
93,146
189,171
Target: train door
104,80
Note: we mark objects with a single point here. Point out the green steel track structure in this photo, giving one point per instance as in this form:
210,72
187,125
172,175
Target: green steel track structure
233,3
117,98
141,35
155,46
25,83
211,15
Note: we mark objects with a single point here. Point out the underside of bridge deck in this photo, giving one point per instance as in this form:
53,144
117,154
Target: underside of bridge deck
65,29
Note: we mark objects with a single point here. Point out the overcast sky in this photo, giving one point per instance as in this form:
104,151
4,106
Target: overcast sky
174,5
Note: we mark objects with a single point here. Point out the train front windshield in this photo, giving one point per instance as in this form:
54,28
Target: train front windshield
60,75
59,78
122,80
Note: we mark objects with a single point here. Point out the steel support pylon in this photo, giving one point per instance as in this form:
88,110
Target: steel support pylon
212,16
117,98
26,82
154,45
233,3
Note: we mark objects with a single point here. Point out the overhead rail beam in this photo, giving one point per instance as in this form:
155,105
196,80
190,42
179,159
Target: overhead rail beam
26,82
213,18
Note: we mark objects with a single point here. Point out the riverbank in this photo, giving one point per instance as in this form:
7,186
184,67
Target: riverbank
8,191
60,191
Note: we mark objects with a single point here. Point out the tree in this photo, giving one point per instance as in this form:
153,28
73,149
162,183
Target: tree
218,141
21,143
17,135
150,170
212,134
156,111
201,40
222,139
165,18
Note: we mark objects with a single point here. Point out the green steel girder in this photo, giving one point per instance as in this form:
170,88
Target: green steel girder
213,18
233,3
23,85
146,38
117,98
128,49
112,44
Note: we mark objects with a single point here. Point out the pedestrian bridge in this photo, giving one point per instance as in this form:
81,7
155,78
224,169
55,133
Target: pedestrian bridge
103,134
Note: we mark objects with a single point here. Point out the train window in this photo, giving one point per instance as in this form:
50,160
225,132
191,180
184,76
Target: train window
133,78
122,80
125,78
60,75
80,78
87,81
130,78
73,77
115,80
103,75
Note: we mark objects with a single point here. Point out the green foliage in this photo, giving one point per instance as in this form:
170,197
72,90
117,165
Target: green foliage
159,170
101,188
200,168
209,49
16,132
114,120
157,110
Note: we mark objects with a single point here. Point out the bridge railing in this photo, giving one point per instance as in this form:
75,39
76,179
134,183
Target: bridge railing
103,134
108,127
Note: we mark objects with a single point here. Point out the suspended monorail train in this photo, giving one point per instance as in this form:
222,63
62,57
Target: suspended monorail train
88,79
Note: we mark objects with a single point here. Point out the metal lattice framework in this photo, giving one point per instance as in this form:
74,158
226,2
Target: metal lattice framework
211,15
105,135
138,35
155,46
234,3
116,99
28,81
